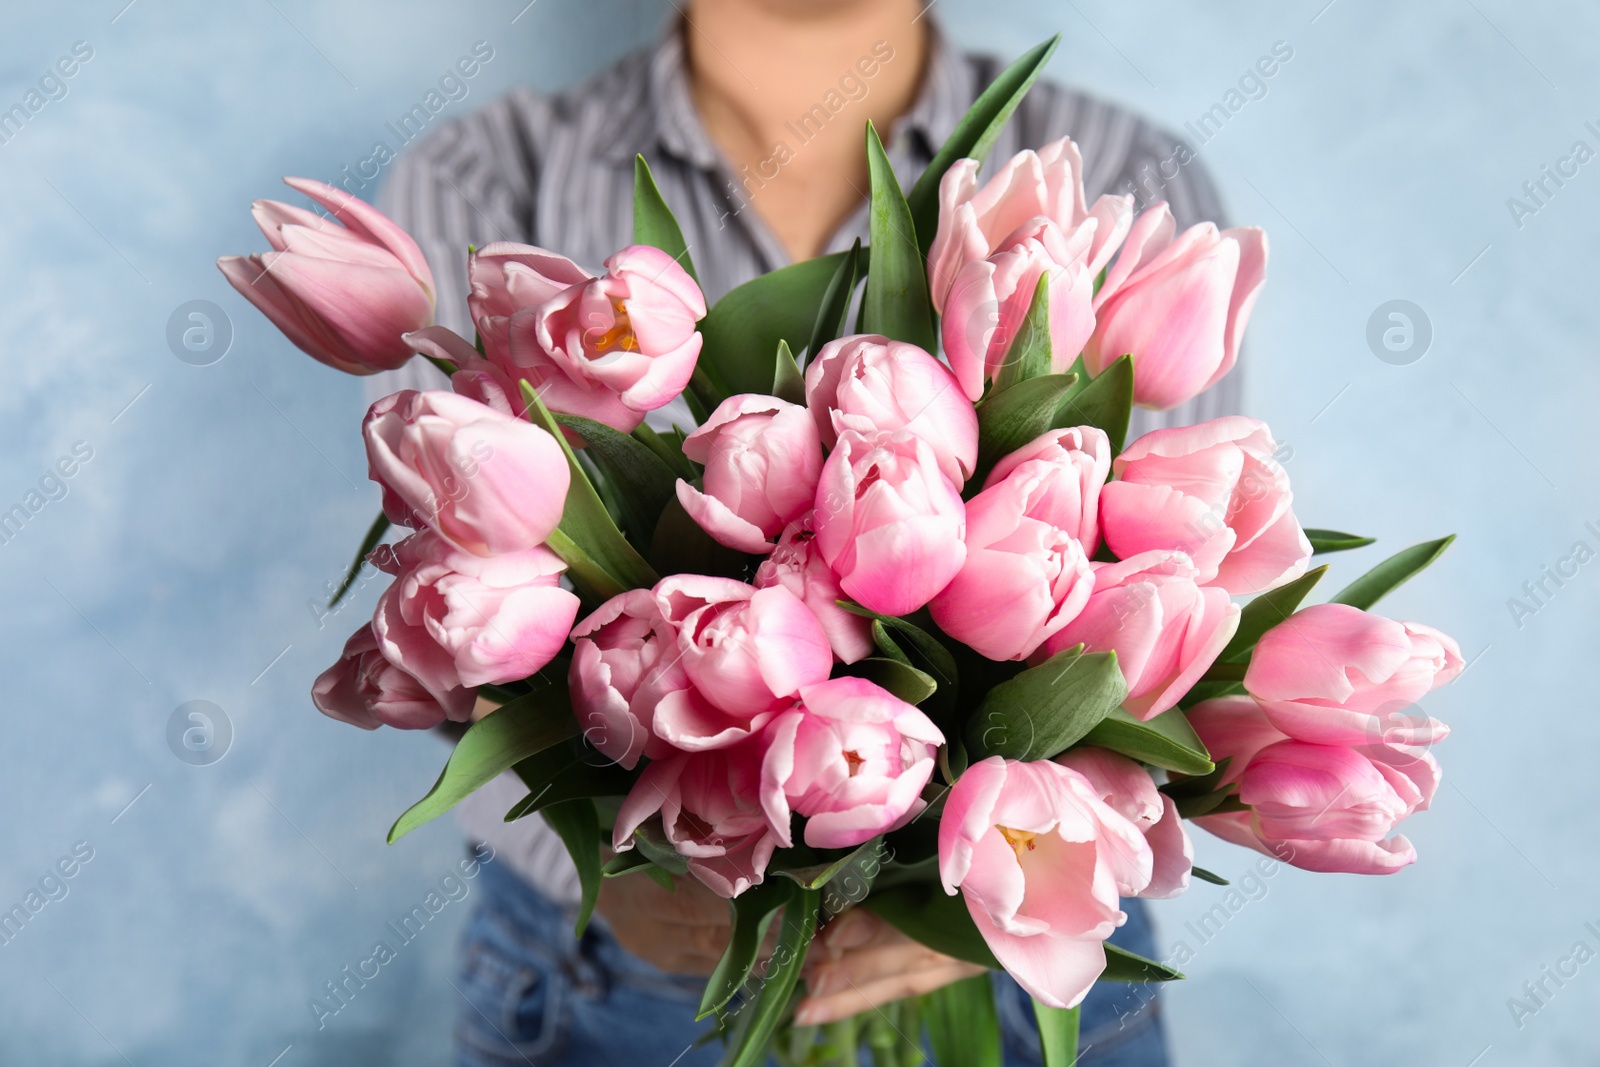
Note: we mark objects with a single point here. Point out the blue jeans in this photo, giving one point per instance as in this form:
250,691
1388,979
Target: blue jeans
537,997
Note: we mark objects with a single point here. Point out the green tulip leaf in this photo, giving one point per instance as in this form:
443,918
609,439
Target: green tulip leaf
1165,741
834,314
896,301
1013,417
642,482
787,381
653,221
1105,400
599,560
1371,587
1044,710
525,727
741,332
1334,541
578,824
1030,352
963,1025
760,1019
1267,611
753,911
975,134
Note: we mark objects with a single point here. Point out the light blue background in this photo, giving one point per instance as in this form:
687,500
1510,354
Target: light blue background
218,504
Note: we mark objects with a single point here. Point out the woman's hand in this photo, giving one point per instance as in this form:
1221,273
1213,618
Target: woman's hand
859,962
681,932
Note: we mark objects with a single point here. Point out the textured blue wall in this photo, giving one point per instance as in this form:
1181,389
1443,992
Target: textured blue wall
218,500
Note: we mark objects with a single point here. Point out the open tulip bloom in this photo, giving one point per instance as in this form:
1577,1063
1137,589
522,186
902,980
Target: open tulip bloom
901,625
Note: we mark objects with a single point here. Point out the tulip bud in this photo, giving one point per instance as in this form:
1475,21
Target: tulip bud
1165,629
1214,491
487,482
344,292
870,384
762,459
365,689
888,521
1178,306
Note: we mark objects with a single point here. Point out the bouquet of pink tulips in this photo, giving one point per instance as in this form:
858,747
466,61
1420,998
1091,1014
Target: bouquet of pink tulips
886,630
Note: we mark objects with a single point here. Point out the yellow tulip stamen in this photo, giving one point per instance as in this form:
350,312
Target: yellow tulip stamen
620,336
1019,840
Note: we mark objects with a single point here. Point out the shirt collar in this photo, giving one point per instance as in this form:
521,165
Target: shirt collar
668,118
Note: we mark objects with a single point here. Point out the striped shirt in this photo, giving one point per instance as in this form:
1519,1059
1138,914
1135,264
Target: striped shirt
557,171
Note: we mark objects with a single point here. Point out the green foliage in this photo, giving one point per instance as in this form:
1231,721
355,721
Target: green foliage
523,728
1044,710
896,302
653,221
1377,583
1165,741
578,824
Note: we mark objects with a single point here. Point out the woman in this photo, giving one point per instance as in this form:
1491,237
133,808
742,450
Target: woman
751,115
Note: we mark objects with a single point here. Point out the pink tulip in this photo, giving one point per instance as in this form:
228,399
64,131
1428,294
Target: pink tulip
476,378
1319,807
888,521
1214,491
1328,793
1129,790
487,482
762,460
498,618
1040,860
745,652
624,660
344,292
869,383
711,811
852,758
1082,457
1332,674
511,286
1027,571
365,689
974,222
798,566
1178,305
989,301
506,278
1165,628
610,347
1233,728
